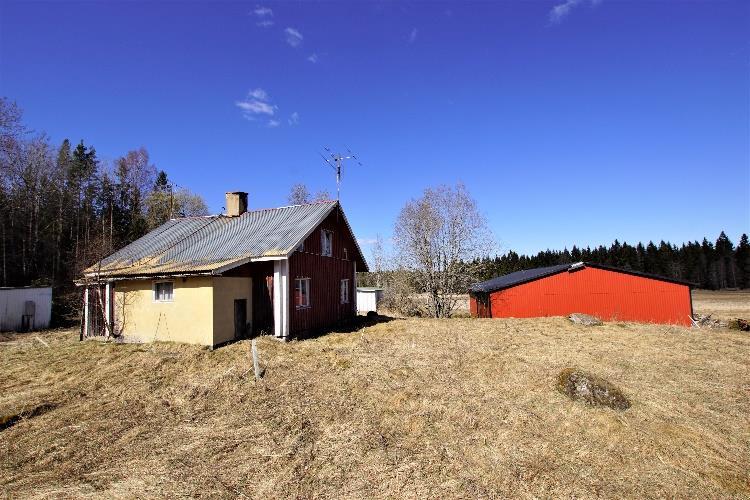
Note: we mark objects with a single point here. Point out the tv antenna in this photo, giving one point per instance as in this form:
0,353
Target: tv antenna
337,164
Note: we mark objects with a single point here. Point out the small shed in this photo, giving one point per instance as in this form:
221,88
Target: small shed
368,299
609,293
25,308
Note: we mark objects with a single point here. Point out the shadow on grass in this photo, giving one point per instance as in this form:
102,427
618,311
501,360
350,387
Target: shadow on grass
354,325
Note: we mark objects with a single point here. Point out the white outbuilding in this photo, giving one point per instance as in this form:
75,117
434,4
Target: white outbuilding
368,299
25,308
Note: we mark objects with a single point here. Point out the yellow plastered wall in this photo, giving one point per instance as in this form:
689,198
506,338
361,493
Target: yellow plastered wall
225,292
187,318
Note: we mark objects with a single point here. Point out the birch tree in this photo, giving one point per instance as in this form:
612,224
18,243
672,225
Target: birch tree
434,237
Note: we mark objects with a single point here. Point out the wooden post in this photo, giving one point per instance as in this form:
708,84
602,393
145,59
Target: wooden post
86,312
108,309
256,364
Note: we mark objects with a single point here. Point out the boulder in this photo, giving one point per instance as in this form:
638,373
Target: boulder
584,319
591,389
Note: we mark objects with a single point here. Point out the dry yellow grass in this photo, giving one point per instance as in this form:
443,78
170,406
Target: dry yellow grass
722,304
407,408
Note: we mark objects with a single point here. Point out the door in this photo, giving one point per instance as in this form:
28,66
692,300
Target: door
240,318
263,298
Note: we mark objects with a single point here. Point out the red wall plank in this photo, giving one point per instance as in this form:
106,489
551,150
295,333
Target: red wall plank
608,295
325,275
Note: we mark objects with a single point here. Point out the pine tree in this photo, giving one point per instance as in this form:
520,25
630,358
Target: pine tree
742,261
162,183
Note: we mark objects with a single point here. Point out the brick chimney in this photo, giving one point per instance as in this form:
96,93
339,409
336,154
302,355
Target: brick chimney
236,203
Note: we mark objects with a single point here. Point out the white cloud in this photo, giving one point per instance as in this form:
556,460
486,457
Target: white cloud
274,123
259,94
256,104
294,119
413,35
293,37
313,58
364,242
254,107
561,11
264,14
263,11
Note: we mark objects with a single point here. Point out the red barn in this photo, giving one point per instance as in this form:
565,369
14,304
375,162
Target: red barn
605,292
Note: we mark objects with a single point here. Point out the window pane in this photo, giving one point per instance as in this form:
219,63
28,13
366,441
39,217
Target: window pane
302,292
163,291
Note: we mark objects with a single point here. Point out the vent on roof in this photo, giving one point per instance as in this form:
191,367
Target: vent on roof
236,203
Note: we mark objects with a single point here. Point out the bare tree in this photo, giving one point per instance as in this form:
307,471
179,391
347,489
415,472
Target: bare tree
298,195
162,205
322,195
434,237
378,260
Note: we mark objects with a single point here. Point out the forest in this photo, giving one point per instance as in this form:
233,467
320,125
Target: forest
62,207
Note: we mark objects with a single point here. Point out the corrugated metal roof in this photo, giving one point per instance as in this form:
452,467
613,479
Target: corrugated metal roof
519,277
205,244
512,279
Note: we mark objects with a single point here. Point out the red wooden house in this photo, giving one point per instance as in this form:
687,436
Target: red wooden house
287,271
605,292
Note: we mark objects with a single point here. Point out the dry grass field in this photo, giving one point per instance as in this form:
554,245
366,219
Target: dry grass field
722,305
405,408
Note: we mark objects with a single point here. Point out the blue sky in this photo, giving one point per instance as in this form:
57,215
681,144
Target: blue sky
570,122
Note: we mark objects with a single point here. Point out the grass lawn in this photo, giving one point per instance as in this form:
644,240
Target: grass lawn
405,408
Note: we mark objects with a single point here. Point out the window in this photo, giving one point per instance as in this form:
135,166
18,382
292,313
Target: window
326,243
302,293
344,291
301,247
163,291
346,254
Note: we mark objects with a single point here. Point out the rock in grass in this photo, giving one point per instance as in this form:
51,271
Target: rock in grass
584,319
591,389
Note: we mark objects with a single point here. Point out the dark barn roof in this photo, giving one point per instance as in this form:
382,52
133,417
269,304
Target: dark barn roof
520,277
513,279
208,245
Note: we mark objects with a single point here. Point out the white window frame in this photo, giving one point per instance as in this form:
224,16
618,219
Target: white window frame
326,243
155,296
299,282
344,291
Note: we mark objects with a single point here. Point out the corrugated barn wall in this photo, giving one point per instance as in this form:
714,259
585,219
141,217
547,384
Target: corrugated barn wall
606,294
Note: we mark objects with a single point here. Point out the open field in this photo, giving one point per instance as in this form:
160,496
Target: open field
722,304
405,408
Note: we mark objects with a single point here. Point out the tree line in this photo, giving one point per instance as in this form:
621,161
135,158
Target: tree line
712,266
62,207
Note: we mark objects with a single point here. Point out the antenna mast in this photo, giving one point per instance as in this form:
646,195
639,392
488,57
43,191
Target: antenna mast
337,164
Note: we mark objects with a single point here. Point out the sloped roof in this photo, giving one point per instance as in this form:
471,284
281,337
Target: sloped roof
519,277
210,244
516,278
